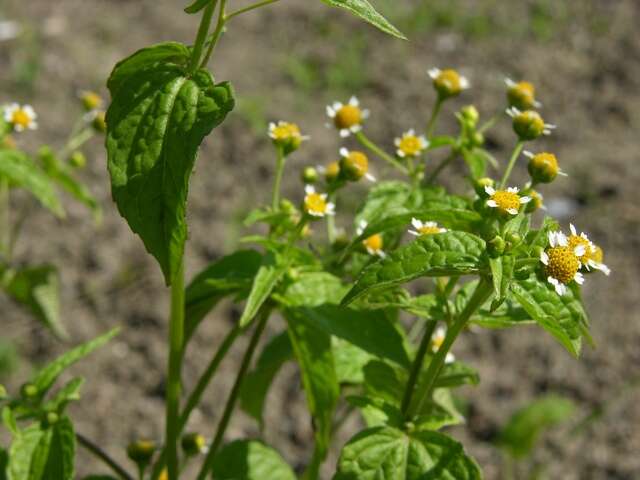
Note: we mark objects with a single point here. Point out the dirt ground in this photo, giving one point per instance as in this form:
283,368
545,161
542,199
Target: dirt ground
287,62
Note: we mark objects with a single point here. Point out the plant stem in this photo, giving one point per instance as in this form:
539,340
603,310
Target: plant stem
443,164
480,295
512,162
249,8
431,124
275,196
331,220
365,142
76,142
417,365
491,122
196,395
104,456
216,33
5,221
176,343
233,396
201,36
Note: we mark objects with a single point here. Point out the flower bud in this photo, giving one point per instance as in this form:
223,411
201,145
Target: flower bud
141,451
286,136
536,202
448,83
480,184
521,95
51,418
99,122
496,246
513,239
77,159
29,391
193,444
341,241
292,274
528,125
476,139
543,167
354,165
309,175
287,206
332,172
470,115
91,101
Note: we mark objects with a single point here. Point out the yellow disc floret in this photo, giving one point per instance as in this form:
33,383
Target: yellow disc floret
347,117
21,118
286,136
448,82
505,201
576,241
562,264
543,167
521,95
353,164
528,125
373,244
315,203
91,100
410,144
332,171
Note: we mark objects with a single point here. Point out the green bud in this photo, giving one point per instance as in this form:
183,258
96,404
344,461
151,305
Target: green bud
77,159
292,274
470,115
409,427
528,125
354,166
536,202
287,206
141,451
99,122
496,246
193,444
480,184
29,391
476,139
543,167
52,418
309,175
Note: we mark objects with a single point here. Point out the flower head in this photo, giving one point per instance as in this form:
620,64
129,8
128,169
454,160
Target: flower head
91,100
506,201
448,82
355,165
315,204
425,228
437,339
372,244
347,118
536,203
331,171
593,255
286,135
543,167
521,95
562,262
20,117
98,120
410,144
528,124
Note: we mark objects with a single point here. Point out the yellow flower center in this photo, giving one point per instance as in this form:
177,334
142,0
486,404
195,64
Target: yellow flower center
410,145
332,171
506,200
543,167
347,117
91,100
164,475
20,117
373,243
436,342
577,241
522,95
448,83
597,255
563,264
314,202
427,230
286,131
529,125
355,165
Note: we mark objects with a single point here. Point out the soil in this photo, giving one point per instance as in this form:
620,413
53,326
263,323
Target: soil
584,57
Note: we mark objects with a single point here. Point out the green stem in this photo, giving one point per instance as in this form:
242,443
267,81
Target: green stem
480,295
441,166
275,196
201,36
431,124
104,456
5,221
512,162
249,8
365,142
176,342
491,122
76,142
233,396
331,220
217,33
417,365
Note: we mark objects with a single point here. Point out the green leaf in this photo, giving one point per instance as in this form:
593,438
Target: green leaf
157,120
55,453
256,386
386,453
22,172
507,315
561,315
313,289
44,379
502,273
456,374
312,348
250,460
386,197
269,274
350,361
196,6
438,412
376,412
4,462
21,452
68,393
37,289
99,477
227,276
477,163
364,10
444,254
520,434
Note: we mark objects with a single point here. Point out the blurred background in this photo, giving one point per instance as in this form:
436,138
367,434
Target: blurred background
287,62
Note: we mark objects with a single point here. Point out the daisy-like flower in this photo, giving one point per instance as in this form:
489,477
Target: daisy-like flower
21,117
528,124
315,204
90,100
410,144
437,339
425,228
506,201
562,262
347,118
521,95
355,165
593,254
537,202
373,244
448,82
286,135
330,172
543,167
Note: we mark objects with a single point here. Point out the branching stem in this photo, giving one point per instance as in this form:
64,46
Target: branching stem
104,456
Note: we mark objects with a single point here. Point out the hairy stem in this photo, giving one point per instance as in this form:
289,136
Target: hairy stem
275,196
217,33
431,124
512,162
201,36
233,396
441,166
417,365
480,295
104,456
176,343
367,143
5,221
249,8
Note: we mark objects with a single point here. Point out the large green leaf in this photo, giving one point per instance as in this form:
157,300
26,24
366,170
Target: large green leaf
21,171
250,460
386,453
21,452
37,289
269,274
54,456
450,253
386,198
227,276
364,10
256,386
561,315
502,274
159,115
521,432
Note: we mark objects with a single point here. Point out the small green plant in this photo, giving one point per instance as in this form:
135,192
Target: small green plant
372,314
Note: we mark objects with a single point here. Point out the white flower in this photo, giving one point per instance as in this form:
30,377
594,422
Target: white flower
21,117
425,228
562,262
507,201
347,118
437,339
373,244
591,257
315,204
410,144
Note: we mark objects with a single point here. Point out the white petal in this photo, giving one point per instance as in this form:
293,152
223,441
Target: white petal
433,72
524,200
528,154
356,128
337,106
579,278
397,142
369,177
579,251
309,189
344,152
561,239
417,224
561,289
573,229
331,112
413,232
353,101
400,153
544,258
344,133
365,113
492,203
509,82
464,83
512,211
513,189
450,358
489,190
